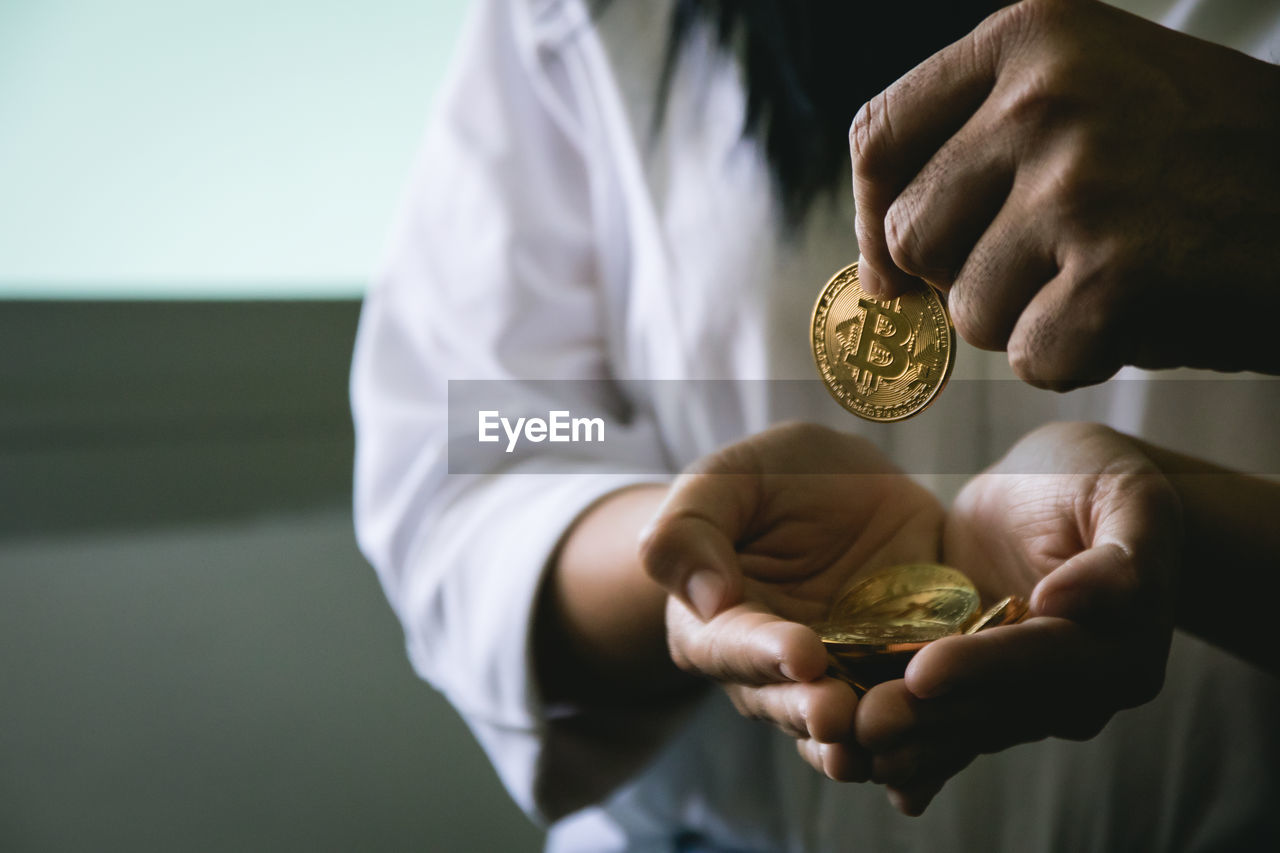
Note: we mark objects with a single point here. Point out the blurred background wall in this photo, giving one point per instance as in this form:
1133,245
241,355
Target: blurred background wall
193,655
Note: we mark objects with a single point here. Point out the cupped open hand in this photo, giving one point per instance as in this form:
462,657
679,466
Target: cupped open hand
757,540
1076,519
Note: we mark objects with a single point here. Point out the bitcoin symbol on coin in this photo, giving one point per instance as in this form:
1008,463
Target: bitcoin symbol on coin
881,351
883,361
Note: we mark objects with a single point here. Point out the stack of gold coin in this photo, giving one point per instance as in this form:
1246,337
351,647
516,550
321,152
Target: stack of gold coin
882,359
877,626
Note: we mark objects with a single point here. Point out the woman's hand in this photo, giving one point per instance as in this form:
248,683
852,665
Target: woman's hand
758,539
1077,519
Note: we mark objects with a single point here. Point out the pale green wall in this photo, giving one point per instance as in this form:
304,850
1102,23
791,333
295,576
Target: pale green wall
222,147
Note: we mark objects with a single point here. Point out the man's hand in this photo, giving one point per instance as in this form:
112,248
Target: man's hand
1092,189
1079,520
760,538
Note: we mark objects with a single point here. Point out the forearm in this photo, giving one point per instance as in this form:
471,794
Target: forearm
600,636
1231,523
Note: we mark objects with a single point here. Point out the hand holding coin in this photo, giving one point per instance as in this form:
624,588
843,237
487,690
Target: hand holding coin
1076,176
755,543
1078,522
800,524
882,359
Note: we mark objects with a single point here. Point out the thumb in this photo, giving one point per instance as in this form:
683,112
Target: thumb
693,560
1131,562
688,549
1098,584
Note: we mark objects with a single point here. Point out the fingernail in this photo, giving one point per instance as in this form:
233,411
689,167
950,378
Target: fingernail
897,800
1068,603
705,591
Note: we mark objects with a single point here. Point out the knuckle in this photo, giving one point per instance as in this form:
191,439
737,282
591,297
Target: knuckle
868,143
655,547
903,237
1035,367
969,315
1026,356
862,232
1015,17
1092,336
1052,66
1073,190
1025,18
659,555
1038,102
859,131
1060,349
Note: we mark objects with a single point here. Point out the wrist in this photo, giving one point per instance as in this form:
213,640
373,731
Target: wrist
599,630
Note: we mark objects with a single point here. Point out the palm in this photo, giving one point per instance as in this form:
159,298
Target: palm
1009,532
1053,507
810,533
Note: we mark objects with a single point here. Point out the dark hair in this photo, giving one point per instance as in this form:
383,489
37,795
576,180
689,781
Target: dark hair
810,64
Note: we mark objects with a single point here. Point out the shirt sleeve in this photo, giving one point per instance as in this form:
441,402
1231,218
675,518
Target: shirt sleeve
493,274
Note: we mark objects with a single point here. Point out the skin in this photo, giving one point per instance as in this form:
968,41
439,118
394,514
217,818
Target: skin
758,538
599,613
1114,541
1079,521
737,617
1089,189
1081,183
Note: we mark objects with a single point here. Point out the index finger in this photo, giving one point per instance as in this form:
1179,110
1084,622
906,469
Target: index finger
895,133
745,644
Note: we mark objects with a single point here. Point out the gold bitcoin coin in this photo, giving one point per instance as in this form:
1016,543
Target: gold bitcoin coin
878,624
1009,610
922,595
882,359
870,637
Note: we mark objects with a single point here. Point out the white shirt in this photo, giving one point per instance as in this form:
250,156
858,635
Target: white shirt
547,235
